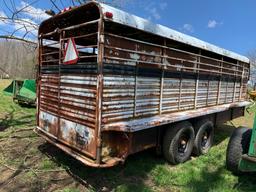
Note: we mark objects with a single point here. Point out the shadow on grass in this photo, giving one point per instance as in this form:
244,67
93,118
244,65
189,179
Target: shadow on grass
10,120
129,177
246,182
222,132
27,105
215,181
207,180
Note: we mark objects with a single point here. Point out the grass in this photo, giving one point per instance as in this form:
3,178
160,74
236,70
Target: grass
28,163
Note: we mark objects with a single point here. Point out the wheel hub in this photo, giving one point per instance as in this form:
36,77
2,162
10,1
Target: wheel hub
182,145
204,139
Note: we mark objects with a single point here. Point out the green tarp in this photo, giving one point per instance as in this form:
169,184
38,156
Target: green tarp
22,90
28,89
9,90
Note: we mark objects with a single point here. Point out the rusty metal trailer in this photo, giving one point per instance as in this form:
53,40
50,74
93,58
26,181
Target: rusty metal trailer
136,85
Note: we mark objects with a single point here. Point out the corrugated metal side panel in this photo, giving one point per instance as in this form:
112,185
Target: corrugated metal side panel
187,98
223,92
213,92
142,80
147,96
78,99
118,98
171,93
202,93
230,92
49,93
237,92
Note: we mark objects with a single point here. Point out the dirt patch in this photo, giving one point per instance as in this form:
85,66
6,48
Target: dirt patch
20,170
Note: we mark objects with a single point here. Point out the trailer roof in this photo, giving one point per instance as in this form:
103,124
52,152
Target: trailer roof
128,19
134,21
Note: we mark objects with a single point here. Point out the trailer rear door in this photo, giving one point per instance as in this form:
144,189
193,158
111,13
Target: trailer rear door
67,91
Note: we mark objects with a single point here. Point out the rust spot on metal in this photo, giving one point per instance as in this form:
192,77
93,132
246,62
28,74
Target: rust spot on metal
125,83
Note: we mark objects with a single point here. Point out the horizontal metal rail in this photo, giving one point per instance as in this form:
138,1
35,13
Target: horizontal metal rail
168,65
169,48
87,46
50,61
89,56
50,53
69,28
175,58
80,25
50,44
81,36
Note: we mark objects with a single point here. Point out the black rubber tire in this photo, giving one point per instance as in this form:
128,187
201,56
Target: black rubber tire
201,127
171,141
237,146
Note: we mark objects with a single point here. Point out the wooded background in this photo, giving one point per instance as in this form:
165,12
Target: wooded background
17,60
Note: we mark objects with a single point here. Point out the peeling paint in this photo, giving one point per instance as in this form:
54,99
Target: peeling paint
134,56
83,134
47,120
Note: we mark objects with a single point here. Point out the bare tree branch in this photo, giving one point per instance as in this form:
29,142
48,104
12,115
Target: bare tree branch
19,23
55,5
25,22
16,38
23,8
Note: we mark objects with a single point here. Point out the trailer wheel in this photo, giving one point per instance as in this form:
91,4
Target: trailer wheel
204,137
237,146
178,142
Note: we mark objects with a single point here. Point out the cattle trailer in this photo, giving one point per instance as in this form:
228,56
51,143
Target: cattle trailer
135,85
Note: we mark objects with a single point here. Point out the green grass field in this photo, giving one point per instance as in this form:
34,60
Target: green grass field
28,163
